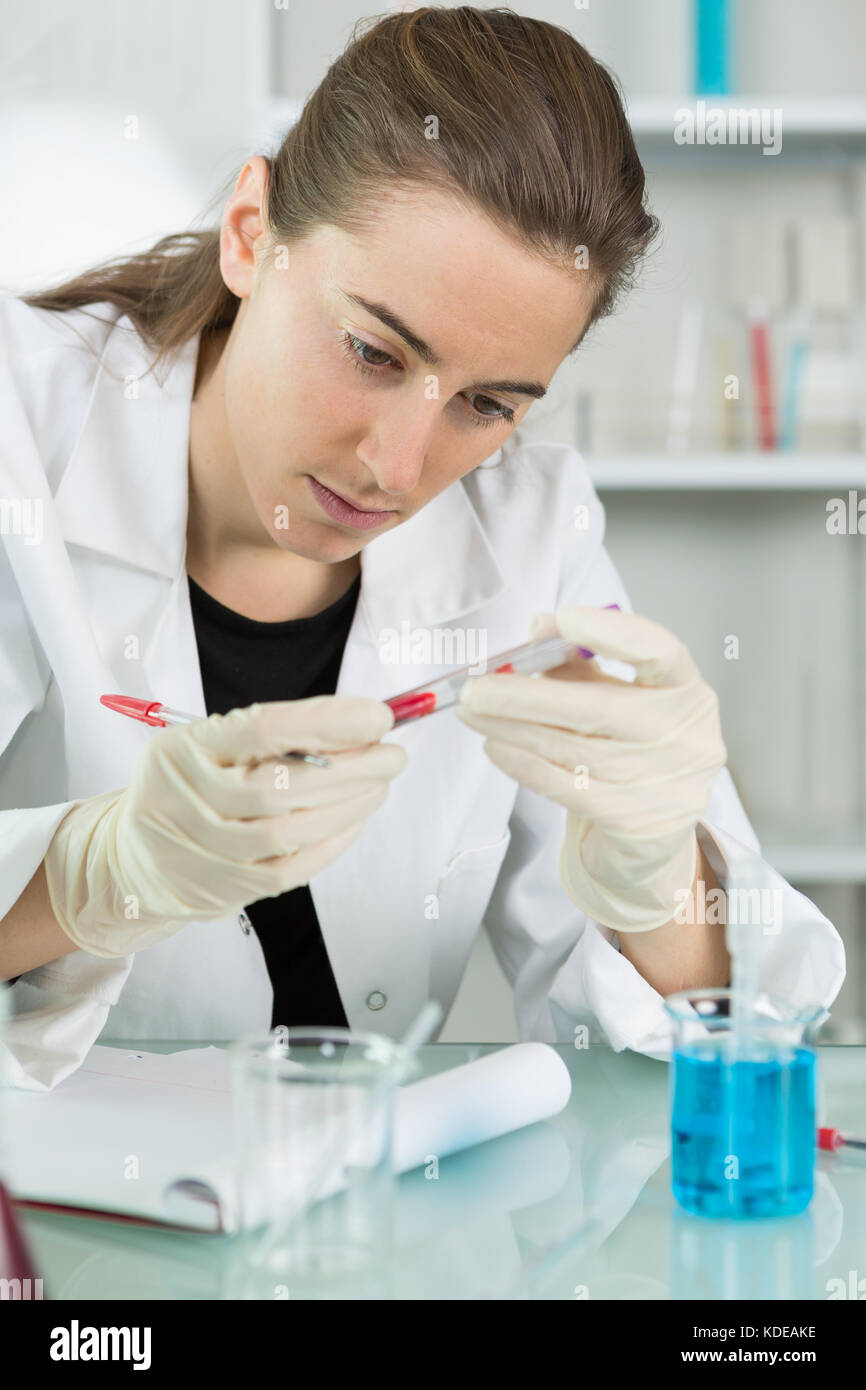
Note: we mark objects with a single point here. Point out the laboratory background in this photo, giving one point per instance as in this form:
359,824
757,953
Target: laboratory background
721,410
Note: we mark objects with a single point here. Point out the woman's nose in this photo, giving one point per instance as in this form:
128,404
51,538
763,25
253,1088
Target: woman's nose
396,450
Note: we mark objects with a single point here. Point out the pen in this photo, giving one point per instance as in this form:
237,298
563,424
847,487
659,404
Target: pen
831,1139
529,660
158,716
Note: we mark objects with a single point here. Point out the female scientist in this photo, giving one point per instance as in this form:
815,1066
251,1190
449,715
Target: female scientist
259,480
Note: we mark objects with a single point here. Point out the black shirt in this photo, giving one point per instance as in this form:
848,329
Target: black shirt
243,661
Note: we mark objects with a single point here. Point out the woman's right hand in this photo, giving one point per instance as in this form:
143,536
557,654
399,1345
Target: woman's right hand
216,817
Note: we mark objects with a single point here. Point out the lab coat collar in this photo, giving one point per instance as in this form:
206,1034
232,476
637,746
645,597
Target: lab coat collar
131,465
125,488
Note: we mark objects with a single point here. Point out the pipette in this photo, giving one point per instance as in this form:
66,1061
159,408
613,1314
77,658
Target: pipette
742,940
531,659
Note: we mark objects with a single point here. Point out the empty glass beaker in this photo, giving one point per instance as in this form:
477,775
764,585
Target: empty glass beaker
313,1115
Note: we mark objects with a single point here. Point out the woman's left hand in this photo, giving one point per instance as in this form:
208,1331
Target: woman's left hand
633,762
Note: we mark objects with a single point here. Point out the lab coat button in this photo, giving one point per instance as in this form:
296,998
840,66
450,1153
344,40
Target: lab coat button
244,923
376,1000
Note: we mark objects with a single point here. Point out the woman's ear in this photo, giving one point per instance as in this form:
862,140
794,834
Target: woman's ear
243,226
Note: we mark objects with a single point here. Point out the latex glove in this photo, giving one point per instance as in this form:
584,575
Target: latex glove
214,819
633,763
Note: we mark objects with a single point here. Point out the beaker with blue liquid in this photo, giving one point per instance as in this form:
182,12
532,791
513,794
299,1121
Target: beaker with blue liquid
742,1104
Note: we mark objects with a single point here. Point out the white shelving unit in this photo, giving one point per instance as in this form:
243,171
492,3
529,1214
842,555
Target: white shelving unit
811,863
739,472
820,137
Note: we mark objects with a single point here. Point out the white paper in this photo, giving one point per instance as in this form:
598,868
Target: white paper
150,1134
112,1135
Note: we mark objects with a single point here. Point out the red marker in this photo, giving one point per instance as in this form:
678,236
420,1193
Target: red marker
832,1139
158,716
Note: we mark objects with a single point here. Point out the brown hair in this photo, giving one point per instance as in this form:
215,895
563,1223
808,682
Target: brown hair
531,132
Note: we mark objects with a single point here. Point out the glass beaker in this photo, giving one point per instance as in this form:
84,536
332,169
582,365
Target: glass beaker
313,1117
742,1107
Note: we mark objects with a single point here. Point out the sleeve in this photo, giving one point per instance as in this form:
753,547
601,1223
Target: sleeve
57,1010
566,970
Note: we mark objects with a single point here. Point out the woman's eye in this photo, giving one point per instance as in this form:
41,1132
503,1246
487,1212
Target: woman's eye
503,412
356,349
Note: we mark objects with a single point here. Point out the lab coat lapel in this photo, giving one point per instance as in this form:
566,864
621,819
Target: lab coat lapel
123,496
130,463
433,569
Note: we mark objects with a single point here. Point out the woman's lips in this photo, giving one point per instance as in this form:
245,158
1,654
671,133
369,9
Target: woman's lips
340,510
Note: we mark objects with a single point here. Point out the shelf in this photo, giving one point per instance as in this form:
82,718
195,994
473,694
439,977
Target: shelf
834,120
737,471
842,863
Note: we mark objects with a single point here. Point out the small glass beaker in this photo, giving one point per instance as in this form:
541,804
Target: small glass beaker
313,1118
742,1106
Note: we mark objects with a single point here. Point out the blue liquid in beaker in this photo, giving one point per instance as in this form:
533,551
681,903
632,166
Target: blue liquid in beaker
743,1132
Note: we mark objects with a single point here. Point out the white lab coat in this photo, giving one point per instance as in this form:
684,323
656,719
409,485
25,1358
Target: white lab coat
99,602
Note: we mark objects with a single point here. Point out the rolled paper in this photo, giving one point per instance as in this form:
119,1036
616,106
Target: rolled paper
441,1115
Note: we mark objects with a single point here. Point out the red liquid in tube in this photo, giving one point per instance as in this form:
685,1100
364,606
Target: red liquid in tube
412,706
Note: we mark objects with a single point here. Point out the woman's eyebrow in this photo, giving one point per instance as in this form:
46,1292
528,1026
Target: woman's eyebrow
426,353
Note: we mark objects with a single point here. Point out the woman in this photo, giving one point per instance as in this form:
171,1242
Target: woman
243,532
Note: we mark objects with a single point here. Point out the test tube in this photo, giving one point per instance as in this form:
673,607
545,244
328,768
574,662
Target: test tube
530,659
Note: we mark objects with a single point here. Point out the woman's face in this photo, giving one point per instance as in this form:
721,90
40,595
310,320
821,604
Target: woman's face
324,397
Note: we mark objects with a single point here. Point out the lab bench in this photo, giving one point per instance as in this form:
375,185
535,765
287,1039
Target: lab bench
575,1208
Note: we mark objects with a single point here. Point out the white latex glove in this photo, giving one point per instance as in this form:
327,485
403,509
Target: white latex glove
213,819
634,763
